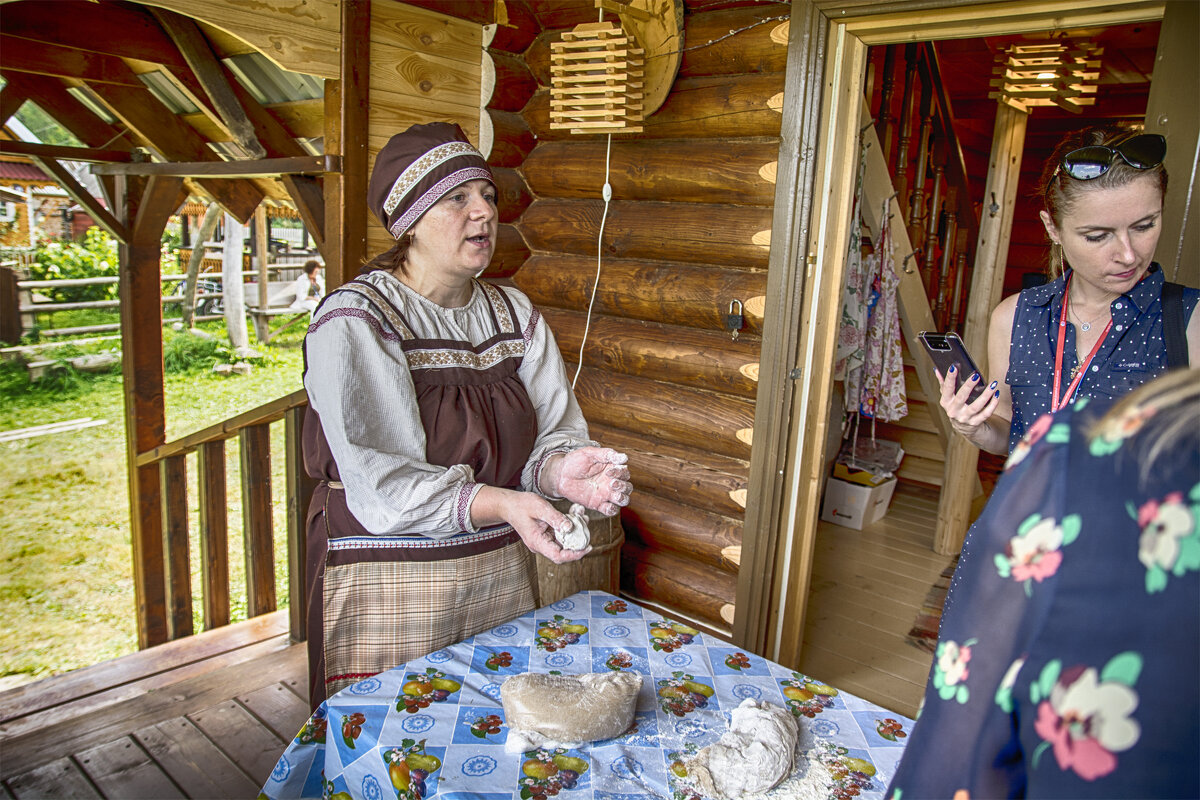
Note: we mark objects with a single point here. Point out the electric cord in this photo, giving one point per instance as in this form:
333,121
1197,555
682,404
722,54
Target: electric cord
606,193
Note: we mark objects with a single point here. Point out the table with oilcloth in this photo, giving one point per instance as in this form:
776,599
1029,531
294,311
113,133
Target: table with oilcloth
435,726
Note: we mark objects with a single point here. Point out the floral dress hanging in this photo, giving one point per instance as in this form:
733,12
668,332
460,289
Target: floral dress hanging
881,395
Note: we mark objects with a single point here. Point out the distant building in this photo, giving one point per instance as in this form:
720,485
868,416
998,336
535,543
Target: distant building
25,189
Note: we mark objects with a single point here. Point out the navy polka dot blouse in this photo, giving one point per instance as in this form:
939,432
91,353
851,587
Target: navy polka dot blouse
1132,353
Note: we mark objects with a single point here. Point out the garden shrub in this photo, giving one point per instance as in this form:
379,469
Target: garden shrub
94,257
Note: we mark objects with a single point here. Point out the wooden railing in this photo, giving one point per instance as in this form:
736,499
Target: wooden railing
929,175
253,431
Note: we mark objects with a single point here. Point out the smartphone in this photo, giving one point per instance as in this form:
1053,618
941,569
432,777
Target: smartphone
947,350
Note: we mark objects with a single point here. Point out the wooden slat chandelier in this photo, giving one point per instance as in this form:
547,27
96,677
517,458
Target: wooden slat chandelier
1062,73
607,78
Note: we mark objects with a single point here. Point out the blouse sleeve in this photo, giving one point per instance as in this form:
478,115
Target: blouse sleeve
966,735
560,424
358,380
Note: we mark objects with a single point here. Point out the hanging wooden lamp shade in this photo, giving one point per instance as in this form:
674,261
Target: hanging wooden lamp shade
596,80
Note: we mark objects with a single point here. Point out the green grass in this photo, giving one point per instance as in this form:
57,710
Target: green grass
66,587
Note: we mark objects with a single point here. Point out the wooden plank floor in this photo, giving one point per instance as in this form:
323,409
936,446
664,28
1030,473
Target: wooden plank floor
867,588
204,717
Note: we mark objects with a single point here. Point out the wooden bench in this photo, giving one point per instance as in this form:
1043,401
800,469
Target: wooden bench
261,317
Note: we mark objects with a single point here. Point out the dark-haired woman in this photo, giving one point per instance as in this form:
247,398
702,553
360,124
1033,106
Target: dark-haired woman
441,422
1096,330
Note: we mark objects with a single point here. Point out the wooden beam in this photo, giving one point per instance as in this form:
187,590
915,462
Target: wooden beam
299,493
11,100
51,96
53,151
177,141
309,198
987,284
39,58
255,447
95,210
145,215
121,30
351,139
213,77
176,558
762,554
214,534
212,170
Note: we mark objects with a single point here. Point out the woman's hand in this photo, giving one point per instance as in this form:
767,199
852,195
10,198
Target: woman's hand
968,418
532,517
595,477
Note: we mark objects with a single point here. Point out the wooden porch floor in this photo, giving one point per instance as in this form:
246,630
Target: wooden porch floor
867,588
204,717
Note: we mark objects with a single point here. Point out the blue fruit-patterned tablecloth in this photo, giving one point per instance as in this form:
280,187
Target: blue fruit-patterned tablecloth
435,726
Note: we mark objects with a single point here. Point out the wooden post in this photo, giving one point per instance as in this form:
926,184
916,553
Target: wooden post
346,130
214,534
255,448
987,281
262,250
232,287
177,560
299,492
10,307
145,213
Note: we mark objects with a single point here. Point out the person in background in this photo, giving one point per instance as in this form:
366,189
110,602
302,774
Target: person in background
1069,651
1097,329
441,424
305,291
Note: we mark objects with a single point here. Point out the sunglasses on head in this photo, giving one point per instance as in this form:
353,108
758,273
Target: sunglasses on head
1142,151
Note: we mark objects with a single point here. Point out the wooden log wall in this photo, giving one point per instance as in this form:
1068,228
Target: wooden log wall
688,231
425,67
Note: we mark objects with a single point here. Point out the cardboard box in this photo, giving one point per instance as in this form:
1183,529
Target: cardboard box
859,476
853,506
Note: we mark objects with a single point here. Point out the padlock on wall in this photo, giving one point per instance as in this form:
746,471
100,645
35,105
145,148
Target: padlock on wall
734,320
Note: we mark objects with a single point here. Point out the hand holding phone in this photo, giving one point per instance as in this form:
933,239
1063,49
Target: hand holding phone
947,350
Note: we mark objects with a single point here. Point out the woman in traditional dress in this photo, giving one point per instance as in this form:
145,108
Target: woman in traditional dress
441,423
1097,329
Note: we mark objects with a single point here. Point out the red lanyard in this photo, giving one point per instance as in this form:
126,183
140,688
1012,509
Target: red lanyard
1055,403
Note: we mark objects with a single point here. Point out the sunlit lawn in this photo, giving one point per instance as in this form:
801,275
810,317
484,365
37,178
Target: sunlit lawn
66,588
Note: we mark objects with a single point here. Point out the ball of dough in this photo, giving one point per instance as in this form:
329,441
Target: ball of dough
580,535
752,757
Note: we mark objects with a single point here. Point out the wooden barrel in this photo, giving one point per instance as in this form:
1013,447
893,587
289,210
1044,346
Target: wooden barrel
599,569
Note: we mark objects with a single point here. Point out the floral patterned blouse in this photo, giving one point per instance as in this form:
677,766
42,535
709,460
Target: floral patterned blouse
1068,663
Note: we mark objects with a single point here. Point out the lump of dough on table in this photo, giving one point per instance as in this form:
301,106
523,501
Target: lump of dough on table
580,535
567,710
752,757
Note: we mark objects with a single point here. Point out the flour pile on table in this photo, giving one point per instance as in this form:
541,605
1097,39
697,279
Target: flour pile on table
567,710
752,757
580,535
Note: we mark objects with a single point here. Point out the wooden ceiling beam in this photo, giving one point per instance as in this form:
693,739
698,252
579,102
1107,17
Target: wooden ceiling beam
53,151
51,95
118,30
259,168
40,58
177,141
114,29
213,77
11,100
94,208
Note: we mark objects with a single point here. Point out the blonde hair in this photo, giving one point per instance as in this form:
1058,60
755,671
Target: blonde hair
1170,403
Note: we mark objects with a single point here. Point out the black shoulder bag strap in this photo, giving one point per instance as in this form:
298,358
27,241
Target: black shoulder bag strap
1174,335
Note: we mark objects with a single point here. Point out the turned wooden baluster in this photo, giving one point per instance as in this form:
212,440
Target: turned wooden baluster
933,217
960,268
949,235
916,212
885,121
901,179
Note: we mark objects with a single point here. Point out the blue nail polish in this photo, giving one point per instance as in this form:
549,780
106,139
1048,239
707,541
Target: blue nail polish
997,393
993,386
975,377
952,368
